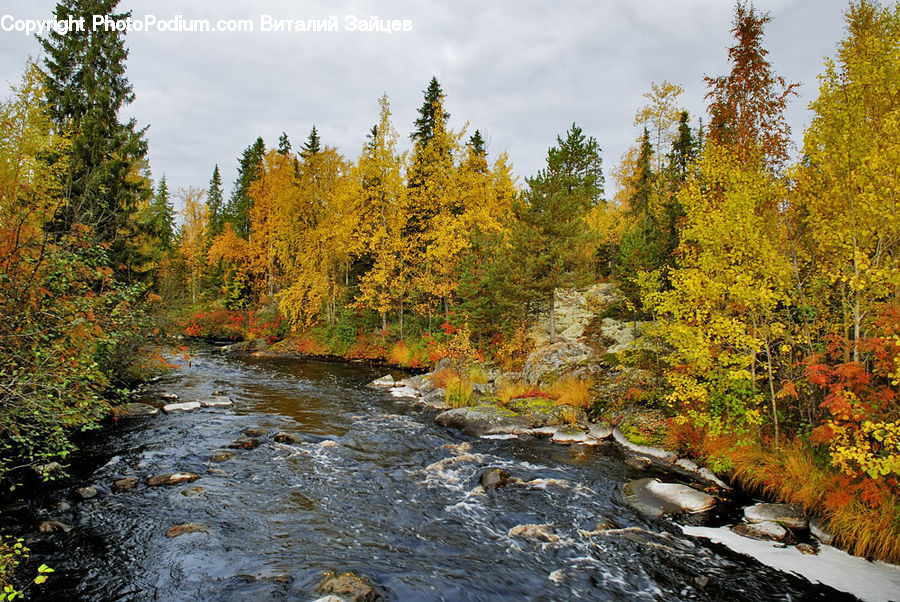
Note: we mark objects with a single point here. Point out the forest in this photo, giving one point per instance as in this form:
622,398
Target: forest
771,282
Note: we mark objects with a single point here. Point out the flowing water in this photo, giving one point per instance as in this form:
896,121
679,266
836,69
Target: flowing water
376,488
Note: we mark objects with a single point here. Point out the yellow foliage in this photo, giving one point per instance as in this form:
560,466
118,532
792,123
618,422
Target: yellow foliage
573,391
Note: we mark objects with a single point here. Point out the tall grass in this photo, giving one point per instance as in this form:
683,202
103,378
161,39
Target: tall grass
573,391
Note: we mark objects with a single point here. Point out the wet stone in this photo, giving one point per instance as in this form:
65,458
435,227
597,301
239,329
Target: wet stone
784,515
348,586
808,549
134,410
221,456
385,381
193,492
256,432
494,478
291,438
245,443
172,478
764,530
168,396
655,498
218,401
87,493
53,526
180,408
125,484
638,462
186,528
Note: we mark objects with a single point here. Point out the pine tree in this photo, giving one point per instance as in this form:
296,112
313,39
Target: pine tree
684,150
162,216
237,211
477,155
86,89
551,237
313,144
426,121
215,203
284,145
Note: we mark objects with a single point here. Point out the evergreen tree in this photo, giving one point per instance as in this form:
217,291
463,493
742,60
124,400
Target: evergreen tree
237,211
684,151
425,122
551,237
313,144
162,216
477,158
215,201
86,89
284,145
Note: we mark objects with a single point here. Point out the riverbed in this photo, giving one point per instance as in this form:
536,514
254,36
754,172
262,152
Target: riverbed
374,487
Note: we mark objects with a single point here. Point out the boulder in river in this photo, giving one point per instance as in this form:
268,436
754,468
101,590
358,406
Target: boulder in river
244,443
179,408
87,493
172,478
764,530
540,533
655,498
483,420
385,381
124,484
53,526
436,399
292,438
134,410
221,455
217,401
185,528
568,436
783,514
494,478
348,587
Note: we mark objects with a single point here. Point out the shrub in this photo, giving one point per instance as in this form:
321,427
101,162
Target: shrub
459,392
573,391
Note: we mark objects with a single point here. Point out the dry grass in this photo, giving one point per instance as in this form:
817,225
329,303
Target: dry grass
509,391
573,391
569,415
458,392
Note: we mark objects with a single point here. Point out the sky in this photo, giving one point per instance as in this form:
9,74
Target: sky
520,71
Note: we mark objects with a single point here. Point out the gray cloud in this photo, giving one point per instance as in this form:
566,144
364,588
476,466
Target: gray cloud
521,72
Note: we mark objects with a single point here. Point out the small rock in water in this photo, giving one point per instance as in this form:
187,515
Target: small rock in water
638,462
348,587
655,498
292,438
385,381
87,493
245,443
534,533
218,401
809,549
764,530
494,478
192,491
785,515
53,526
186,528
256,432
169,396
172,478
125,484
557,576
221,455
178,408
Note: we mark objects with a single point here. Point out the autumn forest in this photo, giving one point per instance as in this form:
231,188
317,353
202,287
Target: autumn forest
767,274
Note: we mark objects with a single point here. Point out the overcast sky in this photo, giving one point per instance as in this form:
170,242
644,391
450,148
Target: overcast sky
520,71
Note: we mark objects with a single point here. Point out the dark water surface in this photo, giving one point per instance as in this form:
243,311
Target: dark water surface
391,498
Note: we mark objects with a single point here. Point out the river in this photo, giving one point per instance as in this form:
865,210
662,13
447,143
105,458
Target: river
375,488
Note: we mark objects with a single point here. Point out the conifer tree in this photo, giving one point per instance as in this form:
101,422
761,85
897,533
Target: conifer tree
215,203
162,216
86,89
313,144
237,211
284,145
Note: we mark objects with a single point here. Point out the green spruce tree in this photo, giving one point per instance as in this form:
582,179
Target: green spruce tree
237,211
216,203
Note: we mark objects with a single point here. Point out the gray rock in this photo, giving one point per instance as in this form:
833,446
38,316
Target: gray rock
172,478
221,455
445,363
483,389
245,443
218,401
436,399
483,420
179,408
168,396
765,530
785,515
134,410
817,530
125,484
494,478
656,498
87,493
568,436
808,549
574,311
348,587
622,334
541,431
553,361
255,432
638,462
508,379
600,431
385,381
